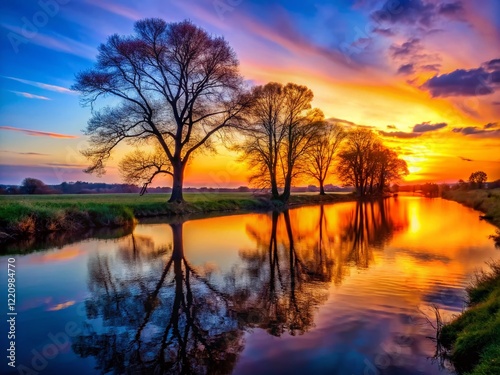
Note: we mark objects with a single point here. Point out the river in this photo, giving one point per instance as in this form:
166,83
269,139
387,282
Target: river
346,288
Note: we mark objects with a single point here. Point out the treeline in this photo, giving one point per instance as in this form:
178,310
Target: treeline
35,186
477,180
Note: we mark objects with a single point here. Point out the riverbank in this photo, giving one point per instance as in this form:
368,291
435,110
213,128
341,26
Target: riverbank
473,339
22,216
486,201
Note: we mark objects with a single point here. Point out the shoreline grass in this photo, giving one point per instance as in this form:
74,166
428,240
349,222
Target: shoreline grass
473,338
30,215
486,201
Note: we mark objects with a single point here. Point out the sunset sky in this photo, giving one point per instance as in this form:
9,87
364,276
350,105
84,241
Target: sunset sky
424,74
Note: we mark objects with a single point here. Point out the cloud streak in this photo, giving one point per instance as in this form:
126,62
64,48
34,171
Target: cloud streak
38,133
42,85
428,127
399,134
24,153
474,130
29,95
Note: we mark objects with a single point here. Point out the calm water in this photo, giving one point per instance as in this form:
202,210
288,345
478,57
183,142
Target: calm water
338,289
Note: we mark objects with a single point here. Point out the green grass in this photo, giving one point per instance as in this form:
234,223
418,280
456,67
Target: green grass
474,337
32,214
487,201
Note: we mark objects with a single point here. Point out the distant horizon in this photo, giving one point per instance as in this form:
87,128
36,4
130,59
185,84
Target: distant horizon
395,71
187,187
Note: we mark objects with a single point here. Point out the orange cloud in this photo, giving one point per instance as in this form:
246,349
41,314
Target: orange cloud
61,306
37,133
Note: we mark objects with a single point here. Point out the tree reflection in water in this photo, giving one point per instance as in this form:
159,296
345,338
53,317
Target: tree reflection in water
158,315
151,311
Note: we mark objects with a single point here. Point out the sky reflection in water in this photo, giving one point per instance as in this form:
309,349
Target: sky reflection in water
338,289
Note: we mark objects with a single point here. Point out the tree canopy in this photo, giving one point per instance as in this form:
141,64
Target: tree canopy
282,128
367,164
478,179
177,86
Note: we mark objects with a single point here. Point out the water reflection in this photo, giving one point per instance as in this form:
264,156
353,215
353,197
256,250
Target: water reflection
152,311
336,289
159,314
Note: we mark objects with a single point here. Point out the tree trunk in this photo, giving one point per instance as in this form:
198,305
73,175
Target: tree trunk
274,187
177,183
287,189
321,188
177,257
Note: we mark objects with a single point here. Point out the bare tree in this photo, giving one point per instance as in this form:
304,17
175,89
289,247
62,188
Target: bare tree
355,166
390,169
320,156
283,127
177,86
367,164
303,125
264,136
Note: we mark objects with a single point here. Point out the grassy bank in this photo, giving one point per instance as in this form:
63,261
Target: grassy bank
34,214
486,201
473,338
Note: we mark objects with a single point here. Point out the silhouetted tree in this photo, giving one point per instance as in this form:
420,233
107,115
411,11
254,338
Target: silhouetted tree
177,87
283,127
366,164
477,179
170,320
33,186
320,155
430,190
265,135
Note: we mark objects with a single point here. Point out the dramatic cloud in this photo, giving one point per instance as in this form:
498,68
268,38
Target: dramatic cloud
492,64
44,86
37,133
391,126
474,130
481,81
413,56
402,135
407,49
428,127
451,9
431,67
406,69
29,95
491,125
416,12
